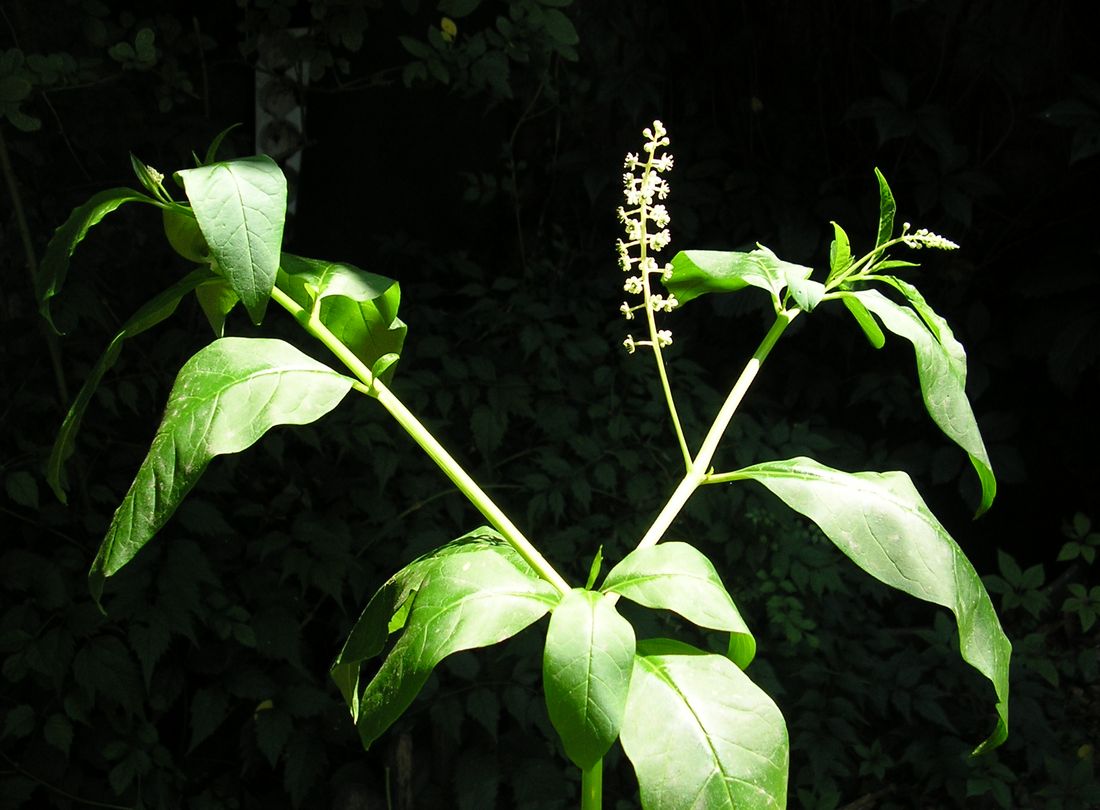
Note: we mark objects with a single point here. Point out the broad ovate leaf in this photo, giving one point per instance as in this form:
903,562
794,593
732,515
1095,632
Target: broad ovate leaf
701,734
697,272
678,577
586,668
54,266
882,524
473,592
224,399
240,206
941,367
360,308
152,313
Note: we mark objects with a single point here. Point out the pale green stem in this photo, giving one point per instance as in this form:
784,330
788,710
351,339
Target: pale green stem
451,468
699,467
651,321
592,787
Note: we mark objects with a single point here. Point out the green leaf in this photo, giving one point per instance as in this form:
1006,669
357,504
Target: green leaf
217,300
224,399
866,322
209,709
941,367
840,252
594,569
360,308
472,592
58,731
586,667
697,272
18,722
151,314
678,577
881,523
701,734
145,175
559,27
55,262
886,210
212,151
240,206
458,8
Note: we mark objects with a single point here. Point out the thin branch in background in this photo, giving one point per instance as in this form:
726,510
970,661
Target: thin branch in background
32,265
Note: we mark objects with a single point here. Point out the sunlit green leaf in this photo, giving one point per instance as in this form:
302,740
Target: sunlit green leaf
155,311
586,669
697,272
224,399
240,206
880,521
360,308
941,367
701,734
865,320
55,262
678,577
840,252
472,592
217,300
886,210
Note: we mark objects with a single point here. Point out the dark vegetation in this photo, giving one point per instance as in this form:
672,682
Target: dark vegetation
483,174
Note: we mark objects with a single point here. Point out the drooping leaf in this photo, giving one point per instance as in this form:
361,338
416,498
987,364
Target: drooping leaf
678,577
941,367
886,210
358,307
240,206
224,399
865,320
881,523
55,262
701,734
586,667
472,592
697,272
155,311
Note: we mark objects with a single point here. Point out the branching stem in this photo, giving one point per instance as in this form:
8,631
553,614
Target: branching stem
698,472
451,468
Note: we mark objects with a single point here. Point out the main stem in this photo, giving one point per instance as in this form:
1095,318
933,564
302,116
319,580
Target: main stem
699,467
592,787
451,468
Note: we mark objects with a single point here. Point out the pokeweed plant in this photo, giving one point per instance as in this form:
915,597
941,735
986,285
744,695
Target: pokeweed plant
697,729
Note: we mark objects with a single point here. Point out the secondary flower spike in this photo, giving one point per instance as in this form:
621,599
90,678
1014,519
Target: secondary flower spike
646,224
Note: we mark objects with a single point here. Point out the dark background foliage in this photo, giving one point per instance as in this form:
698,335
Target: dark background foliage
482,171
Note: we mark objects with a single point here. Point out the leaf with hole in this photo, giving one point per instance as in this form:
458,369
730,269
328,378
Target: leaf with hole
224,399
882,524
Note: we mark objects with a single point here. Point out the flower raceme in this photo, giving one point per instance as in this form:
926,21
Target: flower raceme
646,224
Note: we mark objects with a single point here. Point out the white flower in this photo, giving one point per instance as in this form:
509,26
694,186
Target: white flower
629,344
664,338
